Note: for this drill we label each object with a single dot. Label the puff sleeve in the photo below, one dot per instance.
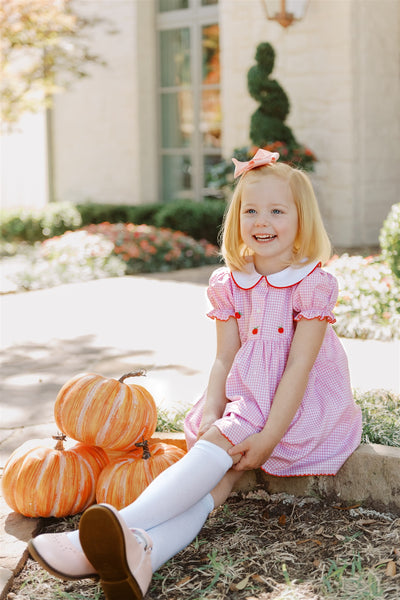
(315, 297)
(220, 295)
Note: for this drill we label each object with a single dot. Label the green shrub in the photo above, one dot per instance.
(389, 240)
(93, 213)
(146, 214)
(381, 416)
(267, 122)
(200, 220)
(170, 422)
(33, 225)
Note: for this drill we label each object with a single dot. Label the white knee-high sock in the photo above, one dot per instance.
(179, 487)
(174, 535)
(176, 489)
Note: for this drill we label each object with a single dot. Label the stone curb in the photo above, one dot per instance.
(371, 477)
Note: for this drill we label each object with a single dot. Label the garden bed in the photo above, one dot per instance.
(262, 547)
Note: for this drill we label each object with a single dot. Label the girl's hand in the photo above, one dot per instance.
(254, 450)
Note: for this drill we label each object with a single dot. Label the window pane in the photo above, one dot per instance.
(210, 43)
(175, 57)
(166, 5)
(177, 180)
(176, 119)
(210, 119)
(210, 161)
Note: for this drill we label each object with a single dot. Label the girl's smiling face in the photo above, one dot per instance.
(269, 223)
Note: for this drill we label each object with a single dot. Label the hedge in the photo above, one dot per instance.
(200, 220)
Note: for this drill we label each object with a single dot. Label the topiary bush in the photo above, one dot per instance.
(267, 125)
(389, 240)
(267, 122)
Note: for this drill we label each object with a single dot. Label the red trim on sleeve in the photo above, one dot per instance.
(321, 318)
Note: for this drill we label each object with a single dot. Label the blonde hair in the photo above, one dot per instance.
(312, 241)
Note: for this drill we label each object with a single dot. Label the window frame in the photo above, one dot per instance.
(194, 18)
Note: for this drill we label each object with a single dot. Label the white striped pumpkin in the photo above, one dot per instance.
(125, 478)
(105, 412)
(42, 479)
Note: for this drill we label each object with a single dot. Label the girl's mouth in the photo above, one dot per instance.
(266, 237)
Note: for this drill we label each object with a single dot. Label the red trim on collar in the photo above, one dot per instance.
(249, 288)
(318, 265)
(282, 287)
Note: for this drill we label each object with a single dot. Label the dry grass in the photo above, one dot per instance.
(262, 547)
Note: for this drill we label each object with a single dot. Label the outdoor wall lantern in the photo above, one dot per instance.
(285, 11)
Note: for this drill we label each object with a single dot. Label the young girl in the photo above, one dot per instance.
(278, 397)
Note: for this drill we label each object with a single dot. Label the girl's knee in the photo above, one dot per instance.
(214, 436)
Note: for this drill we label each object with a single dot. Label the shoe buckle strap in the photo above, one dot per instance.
(143, 538)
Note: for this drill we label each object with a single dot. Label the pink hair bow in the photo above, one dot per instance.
(261, 158)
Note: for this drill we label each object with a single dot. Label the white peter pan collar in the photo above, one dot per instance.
(286, 278)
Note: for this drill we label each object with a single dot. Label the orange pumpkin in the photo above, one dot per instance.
(41, 480)
(105, 412)
(124, 479)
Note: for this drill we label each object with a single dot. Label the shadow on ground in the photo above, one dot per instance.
(33, 373)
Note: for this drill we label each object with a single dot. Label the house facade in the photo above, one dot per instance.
(173, 100)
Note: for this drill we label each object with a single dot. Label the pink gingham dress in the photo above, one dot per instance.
(327, 426)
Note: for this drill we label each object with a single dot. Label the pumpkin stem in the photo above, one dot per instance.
(140, 372)
(60, 437)
(145, 445)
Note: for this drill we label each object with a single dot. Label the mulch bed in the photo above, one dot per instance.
(262, 547)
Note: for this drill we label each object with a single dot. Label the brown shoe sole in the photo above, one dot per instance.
(34, 553)
(103, 542)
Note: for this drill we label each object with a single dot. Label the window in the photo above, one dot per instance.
(189, 96)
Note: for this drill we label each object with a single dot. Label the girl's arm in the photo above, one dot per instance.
(306, 343)
(228, 343)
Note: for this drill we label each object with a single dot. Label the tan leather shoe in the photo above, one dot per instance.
(55, 553)
(121, 556)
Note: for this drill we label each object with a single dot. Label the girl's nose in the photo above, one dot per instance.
(262, 218)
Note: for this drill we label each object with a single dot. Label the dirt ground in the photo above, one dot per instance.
(262, 547)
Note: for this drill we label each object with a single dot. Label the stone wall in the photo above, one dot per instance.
(24, 164)
(337, 66)
(104, 129)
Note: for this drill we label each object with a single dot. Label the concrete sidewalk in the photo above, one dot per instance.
(112, 326)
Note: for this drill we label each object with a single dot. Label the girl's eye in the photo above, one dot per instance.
(276, 211)
(250, 211)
